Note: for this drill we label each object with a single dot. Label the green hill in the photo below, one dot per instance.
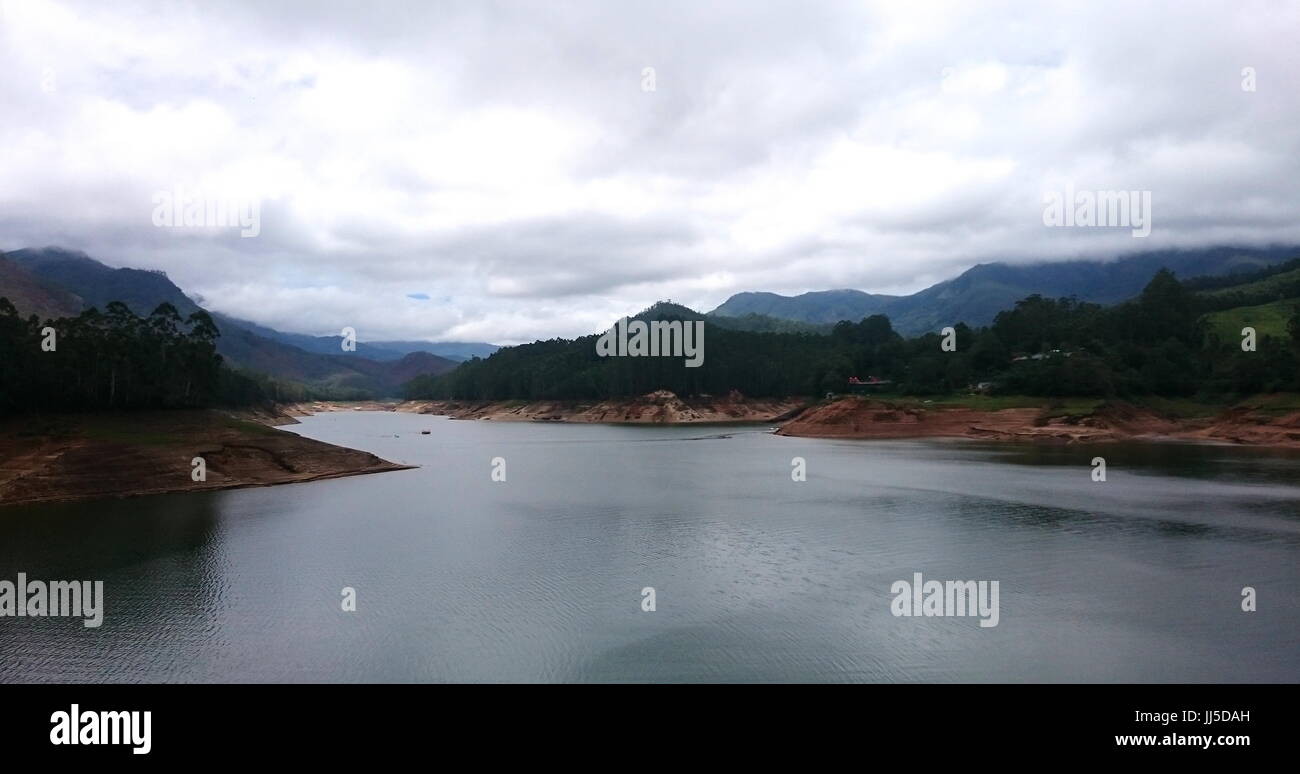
(1267, 320)
(1282, 285)
(978, 294)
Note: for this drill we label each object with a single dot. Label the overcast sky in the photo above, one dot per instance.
(505, 172)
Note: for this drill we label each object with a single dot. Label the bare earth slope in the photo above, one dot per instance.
(1265, 422)
(660, 407)
(855, 417)
(84, 457)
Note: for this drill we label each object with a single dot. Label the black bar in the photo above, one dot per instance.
(993, 723)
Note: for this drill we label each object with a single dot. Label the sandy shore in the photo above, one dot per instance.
(661, 407)
(855, 417)
(56, 458)
(287, 412)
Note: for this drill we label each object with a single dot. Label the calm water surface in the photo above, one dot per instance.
(757, 578)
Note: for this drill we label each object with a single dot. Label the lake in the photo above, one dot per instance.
(756, 577)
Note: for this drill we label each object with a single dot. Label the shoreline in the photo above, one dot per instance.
(658, 408)
(1107, 422)
(70, 458)
(1266, 422)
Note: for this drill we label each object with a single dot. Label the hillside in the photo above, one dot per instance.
(341, 374)
(452, 350)
(98, 285)
(375, 350)
(1267, 320)
(978, 294)
(818, 307)
(1150, 345)
(1266, 300)
(31, 296)
(1275, 287)
(761, 323)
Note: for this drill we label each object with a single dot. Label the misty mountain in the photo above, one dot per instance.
(30, 295)
(330, 373)
(375, 350)
(452, 350)
(978, 294)
(97, 284)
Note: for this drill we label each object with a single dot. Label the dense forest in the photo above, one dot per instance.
(116, 359)
(1156, 343)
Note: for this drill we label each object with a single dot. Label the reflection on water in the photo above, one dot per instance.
(757, 577)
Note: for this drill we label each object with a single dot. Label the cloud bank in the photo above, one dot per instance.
(514, 171)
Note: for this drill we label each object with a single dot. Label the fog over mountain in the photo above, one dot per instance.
(503, 172)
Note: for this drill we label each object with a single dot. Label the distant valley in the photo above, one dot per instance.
(54, 282)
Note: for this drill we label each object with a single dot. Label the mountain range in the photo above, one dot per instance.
(375, 350)
(978, 294)
(53, 282)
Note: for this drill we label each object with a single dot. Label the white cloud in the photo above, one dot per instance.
(503, 158)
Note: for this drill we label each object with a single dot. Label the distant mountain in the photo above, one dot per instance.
(318, 345)
(332, 373)
(452, 350)
(978, 294)
(817, 307)
(98, 284)
(413, 364)
(341, 375)
(30, 295)
(375, 350)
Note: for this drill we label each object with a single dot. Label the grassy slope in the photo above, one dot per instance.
(1266, 284)
(1266, 319)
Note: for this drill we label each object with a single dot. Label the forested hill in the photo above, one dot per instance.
(1157, 343)
(35, 279)
(979, 293)
(115, 360)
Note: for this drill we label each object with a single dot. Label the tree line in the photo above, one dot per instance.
(1155, 344)
(116, 359)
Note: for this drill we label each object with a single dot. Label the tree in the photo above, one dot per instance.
(1166, 310)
